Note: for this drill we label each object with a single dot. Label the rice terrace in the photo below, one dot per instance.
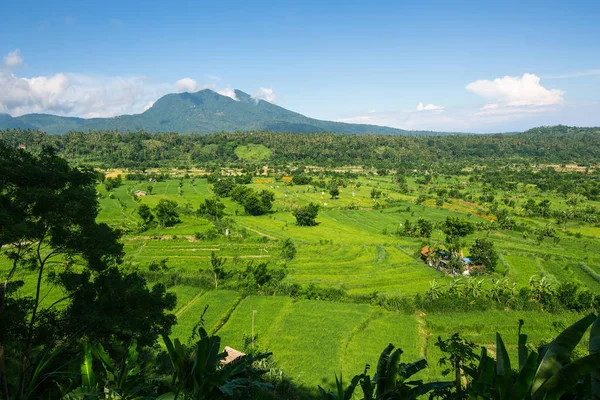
(325, 264)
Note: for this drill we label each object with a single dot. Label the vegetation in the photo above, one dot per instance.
(306, 216)
(381, 267)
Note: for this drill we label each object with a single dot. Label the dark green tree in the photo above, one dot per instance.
(217, 264)
(50, 236)
(288, 249)
(334, 192)
(211, 209)
(166, 213)
(424, 227)
(222, 187)
(146, 214)
(306, 216)
(455, 229)
(482, 253)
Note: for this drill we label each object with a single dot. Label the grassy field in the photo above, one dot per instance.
(354, 247)
(314, 340)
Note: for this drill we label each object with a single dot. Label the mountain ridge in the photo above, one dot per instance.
(205, 111)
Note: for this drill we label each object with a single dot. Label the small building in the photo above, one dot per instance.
(21, 146)
(232, 355)
(140, 193)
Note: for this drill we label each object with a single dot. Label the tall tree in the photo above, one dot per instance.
(48, 232)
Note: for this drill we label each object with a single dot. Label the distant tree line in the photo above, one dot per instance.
(556, 144)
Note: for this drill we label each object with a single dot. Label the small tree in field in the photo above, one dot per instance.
(455, 229)
(482, 253)
(217, 264)
(305, 216)
(166, 213)
(334, 192)
(288, 249)
(146, 214)
(212, 209)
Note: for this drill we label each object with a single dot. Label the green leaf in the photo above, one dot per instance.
(381, 373)
(88, 378)
(350, 389)
(566, 377)
(482, 383)
(393, 367)
(502, 359)
(99, 353)
(525, 378)
(594, 349)
(408, 370)
(523, 352)
(559, 351)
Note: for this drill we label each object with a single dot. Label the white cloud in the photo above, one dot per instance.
(187, 85)
(190, 85)
(514, 91)
(429, 107)
(13, 59)
(76, 94)
(266, 94)
(372, 111)
(87, 96)
(148, 106)
(226, 92)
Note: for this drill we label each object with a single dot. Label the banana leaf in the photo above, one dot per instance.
(88, 378)
(523, 352)
(566, 377)
(558, 352)
(594, 349)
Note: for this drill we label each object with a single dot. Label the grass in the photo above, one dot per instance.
(481, 328)
(355, 248)
(253, 153)
(219, 302)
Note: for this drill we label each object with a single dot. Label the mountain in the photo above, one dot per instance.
(202, 112)
(8, 122)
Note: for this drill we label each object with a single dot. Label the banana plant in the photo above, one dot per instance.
(342, 393)
(199, 372)
(390, 382)
(546, 374)
(122, 381)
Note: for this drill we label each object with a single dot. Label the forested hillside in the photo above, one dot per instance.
(558, 144)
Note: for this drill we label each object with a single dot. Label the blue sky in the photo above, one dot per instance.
(473, 66)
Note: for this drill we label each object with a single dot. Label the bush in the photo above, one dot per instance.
(305, 216)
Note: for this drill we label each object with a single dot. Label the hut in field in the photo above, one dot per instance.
(232, 355)
(140, 193)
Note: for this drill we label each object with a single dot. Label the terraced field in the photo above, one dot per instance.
(355, 248)
(313, 340)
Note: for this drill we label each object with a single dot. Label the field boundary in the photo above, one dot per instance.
(227, 315)
(362, 325)
(190, 303)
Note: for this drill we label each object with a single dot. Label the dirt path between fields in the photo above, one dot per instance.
(423, 333)
(261, 233)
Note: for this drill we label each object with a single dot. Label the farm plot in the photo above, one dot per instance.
(220, 304)
(481, 327)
